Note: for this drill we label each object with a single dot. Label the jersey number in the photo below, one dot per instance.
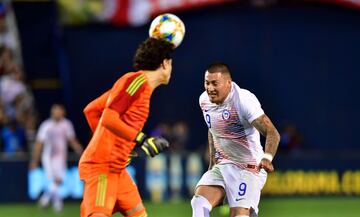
(208, 121)
(242, 189)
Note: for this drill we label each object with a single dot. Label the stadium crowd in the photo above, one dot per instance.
(17, 108)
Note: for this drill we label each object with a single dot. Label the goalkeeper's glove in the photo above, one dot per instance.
(151, 145)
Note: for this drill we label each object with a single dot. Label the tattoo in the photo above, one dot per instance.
(264, 125)
(211, 150)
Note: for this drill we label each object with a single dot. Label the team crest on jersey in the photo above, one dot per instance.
(225, 114)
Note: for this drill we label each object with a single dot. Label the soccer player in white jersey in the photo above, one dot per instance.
(53, 136)
(238, 165)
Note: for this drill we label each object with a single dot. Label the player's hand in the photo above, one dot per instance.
(152, 146)
(266, 165)
(33, 165)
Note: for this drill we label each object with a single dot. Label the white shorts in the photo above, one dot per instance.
(54, 168)
(242, 187)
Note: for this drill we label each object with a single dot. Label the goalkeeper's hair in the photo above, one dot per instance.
(151, 53)
(219, 67)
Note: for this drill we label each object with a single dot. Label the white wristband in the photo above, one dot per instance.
(268, 156)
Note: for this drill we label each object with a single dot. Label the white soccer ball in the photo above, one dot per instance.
(168, 27)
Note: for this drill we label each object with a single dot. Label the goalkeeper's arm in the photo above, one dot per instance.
(150, 145)
(94, 110)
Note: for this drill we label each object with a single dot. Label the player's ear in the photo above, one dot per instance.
(163, 64)
(166, 63)
(229, 81)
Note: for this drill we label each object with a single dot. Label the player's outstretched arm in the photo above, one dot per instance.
(94, 110)
(264, 125)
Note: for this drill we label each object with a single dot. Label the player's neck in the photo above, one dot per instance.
(154, 78)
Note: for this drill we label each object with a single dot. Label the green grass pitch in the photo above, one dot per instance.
(269, 207)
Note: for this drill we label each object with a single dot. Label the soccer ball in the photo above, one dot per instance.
(168, 27)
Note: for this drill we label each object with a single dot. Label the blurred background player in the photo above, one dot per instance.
(52, 139)
(237, 167)
(117, 118)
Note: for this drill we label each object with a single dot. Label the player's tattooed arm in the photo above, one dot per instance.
(211, 150)
(264, 125)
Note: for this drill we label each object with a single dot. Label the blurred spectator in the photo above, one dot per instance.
(6, 61)
(16, 100)
(163, 129)
(179, 139)
(180, 136)
(291, 139)
(30, 126)
(11, 86)
(7, 38)
(13, 138)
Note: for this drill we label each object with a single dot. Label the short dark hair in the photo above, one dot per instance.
(151, 53)
(59, 105)
(219, 67)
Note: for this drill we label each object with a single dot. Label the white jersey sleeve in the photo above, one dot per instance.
(69, 129)
(41, 134)
(249, 105)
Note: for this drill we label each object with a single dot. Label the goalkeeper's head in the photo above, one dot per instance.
(154, 55)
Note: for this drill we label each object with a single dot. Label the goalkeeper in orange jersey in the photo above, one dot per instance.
(116, 119)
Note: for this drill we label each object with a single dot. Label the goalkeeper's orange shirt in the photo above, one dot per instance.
(129, 100)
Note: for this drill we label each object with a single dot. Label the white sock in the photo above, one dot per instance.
(200, 206)
(56, 198)
(241, 216)
(45, 199)
(58, 203)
